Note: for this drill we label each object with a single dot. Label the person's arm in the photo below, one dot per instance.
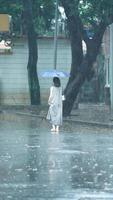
(50, 96)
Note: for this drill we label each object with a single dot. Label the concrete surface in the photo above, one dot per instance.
(87, 114)
(35, 164)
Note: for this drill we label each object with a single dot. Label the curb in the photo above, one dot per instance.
(90, 123)
(80, 122)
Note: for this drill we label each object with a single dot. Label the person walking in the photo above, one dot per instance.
(54, 114)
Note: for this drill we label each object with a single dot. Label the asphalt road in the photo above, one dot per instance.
(35, 164)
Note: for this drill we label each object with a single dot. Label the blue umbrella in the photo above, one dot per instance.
(53, 73)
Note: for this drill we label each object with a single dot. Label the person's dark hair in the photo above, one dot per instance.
(56, 82)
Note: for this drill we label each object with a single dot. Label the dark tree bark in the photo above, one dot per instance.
(34, 86)
(82, 65)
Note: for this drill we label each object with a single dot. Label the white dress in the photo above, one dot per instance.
(55, 109)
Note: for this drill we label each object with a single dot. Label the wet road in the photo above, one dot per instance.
(35, 164)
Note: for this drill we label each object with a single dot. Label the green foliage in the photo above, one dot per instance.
(43, 13)
(94, 11)
(91, 12)
(13, 8)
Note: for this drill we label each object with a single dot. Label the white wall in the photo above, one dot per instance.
(13, 69)
(111, 66)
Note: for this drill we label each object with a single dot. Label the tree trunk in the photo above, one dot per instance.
(71, 93)
(85, 71)
(33, 81)
(82, 65)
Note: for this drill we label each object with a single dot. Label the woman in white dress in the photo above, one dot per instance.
(55, 105)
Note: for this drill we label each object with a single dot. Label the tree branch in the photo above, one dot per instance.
(71, 7)
(100, 32)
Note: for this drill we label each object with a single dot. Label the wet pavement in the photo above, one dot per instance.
(87, 113)
(35, 164)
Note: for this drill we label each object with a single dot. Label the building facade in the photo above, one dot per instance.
(14, 88)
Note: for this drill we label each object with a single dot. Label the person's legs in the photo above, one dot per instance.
(53, 128)
(57, 128)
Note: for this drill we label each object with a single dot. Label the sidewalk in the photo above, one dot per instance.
(93, 114)
(87, 114)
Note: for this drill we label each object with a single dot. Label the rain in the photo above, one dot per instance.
(76, 163)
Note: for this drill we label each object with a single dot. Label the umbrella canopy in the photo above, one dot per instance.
(53, 73)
